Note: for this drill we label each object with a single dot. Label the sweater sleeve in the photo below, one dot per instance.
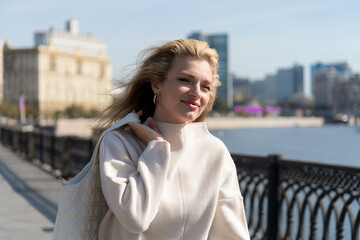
(229, 221)
(133, 193)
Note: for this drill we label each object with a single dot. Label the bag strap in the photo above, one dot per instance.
(131, 117)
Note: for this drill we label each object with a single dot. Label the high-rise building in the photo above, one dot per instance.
(340, 67)
(270, 90)
(241, 89)
(325, 84)
(282, 86)
(298, 77)
(265, 90)
(354, 93)
(289, 81)
(220, 43)
(258, 89)
(347, 95)
(52, 77)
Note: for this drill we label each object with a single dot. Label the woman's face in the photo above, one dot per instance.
(185, 92)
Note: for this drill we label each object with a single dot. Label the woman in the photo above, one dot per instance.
(168, 177)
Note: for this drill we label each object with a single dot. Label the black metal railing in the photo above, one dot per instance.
(67, 154)
(299, 200)
(283, 199)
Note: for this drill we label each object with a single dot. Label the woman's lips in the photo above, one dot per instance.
(192, 105)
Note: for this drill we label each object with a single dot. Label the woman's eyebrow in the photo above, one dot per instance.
(187, 74)
(207, 81)
(194, 77)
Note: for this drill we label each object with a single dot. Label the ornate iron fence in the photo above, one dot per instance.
(284, 199)
(287, 199)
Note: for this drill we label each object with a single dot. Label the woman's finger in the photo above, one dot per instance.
(144, 133)
(139, 113)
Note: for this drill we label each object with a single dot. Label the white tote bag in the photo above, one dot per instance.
(82, 205)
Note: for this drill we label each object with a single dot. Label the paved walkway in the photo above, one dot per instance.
(28, 199)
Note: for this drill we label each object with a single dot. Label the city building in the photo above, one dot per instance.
(282, 86)
(326, 81)
(265, 90)
(270, 90)
(220, 43)
(341, 67)
(70, 40)
(241, 89)
(289, 81)
(55, 74)
(347, 95)
(354, 93)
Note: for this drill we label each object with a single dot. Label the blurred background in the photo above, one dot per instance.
(290, 73)
(289, 70)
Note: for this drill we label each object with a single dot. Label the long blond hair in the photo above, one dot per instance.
(153, 66)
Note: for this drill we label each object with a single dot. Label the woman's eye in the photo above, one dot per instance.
(184, 80)
(206, 87)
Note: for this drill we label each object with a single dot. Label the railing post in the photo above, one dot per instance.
(66, 158)
(3, 135)
(41, 146)
(52, 151)
(31, 146)
(273, 198)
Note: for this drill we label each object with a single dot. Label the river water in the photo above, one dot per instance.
(329, 144)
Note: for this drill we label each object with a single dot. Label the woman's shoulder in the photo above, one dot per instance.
(216, 142)
(123, 136)
(121, 142)
(119, 131)
(211, 147)
(199, 131)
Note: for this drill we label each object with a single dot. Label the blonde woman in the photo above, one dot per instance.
(165, 176)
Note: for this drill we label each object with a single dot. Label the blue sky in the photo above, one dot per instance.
(264, 35)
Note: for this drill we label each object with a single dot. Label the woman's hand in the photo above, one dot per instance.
(146, 133)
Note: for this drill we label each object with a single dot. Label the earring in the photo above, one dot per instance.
(155, 99)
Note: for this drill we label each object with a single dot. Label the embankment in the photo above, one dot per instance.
(239, 122)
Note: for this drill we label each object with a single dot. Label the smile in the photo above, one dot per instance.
(192, 105)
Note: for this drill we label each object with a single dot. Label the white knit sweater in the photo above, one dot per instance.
(183, 188)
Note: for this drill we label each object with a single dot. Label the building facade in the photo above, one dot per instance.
(270, 90)
(219, 42)
(241, 89)
(326, 81)
(347, 96)
(289, 81)
(340, 67)
(258, 90)
(52, 79)
(265, 90)
(282, 86)
(70, 40)
(354, 93)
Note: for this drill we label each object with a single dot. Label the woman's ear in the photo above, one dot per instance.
(155, 87)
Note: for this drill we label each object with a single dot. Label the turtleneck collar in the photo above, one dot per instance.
(179, 135)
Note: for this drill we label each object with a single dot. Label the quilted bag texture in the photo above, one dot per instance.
(82, 205)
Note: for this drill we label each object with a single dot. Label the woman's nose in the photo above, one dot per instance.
(195, 90)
